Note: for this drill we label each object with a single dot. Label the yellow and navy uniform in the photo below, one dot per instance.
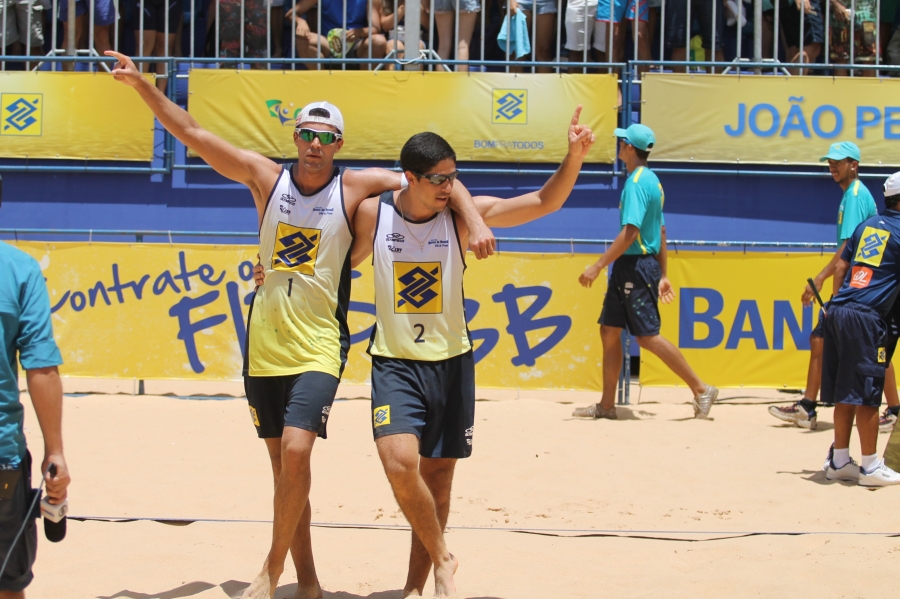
(423, 370)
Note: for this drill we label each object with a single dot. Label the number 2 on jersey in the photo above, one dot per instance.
(421, 329)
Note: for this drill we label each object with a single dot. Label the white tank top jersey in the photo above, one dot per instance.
(419, 311)
(298, 320)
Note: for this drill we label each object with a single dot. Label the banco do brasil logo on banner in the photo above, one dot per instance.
(21, 114)
(510, 107)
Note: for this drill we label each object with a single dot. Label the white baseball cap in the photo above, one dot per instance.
(327, 114)
(892, 185)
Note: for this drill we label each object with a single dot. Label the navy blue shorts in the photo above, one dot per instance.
(632, 298)
(435, 401)
(819, 330)
(14, 503)
(299, 400)
(855, 356)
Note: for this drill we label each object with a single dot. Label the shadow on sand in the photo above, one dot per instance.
(234, 588)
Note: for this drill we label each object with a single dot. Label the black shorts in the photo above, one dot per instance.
(13, 510)
(701, 10)
(855, 356)
(155, 15)
(299, 400)
(633, 296)
(435, 401)
(813, 27)
(819, 330)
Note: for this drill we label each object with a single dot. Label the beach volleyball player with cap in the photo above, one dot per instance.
(297, 334)
(639, 281)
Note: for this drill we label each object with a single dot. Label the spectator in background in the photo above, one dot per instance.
(543, 31)
(622, 14)
(702, 11)
(152, 40)
(255, 26)
(864, 42)
(17, 27)
(361, 31)
(893, 44)
(580, 16)
(445, 22)
(104, 18)
(276, 26)
(813, 29)
(397, 39)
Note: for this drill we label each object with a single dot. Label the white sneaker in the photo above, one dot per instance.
(880, 476)
(828, 458)
(848, 472)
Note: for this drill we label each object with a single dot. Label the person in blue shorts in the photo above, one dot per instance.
(104, 16)
(856, 206)
(858, 346)
(27, 338)
(638, 281)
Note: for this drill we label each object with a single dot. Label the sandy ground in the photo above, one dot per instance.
(656, 504)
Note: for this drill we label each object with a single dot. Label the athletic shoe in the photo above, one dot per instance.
(848, 472)
(829, 458)
(795, 414)
(880, 476)
(702, 403)
(596, 412)
(886, 422)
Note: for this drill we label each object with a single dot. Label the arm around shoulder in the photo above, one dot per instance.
(365, 222)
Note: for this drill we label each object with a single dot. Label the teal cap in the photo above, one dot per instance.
(640, 136)
(841, 150)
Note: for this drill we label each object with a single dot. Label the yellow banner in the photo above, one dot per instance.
(76, 116)
(771, 119)
(155, 311)
(484, 116)
(738, 318)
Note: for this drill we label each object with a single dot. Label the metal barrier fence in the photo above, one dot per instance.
(851, 32)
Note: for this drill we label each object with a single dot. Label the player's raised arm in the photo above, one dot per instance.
(250, 168)
(498, 212)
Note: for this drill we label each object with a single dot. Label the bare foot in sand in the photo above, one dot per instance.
(444, 586)
(314, 592)
(264, 585)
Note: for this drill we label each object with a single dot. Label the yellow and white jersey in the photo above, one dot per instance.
(298, 320)
(419, 313)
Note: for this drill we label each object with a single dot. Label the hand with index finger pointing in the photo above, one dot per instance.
(124, 70)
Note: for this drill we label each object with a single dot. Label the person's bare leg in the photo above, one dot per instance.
(301, 544)
(466, 29)
(644, 41)
(611, 338)
(148, 48)
(843, 424)
(438, 476)
(159, 49)
(291, 499)
(527, 14)
(444, 23)
(101, 39)
(79, 27)
(814, 371)
(867, 427)
(276, 26)
(545, 51)
(890, 387)
(679, 54)
(400, 457)
(674, 360)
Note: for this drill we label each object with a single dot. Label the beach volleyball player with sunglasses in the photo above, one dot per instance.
(297, 334)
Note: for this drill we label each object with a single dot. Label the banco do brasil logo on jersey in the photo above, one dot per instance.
(871, 246)
(21, 114)
(510, 107)
(296, 249)
(417, 288)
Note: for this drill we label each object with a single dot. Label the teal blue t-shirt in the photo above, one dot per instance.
(642, 206)
(856, 206)
(27, 336)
